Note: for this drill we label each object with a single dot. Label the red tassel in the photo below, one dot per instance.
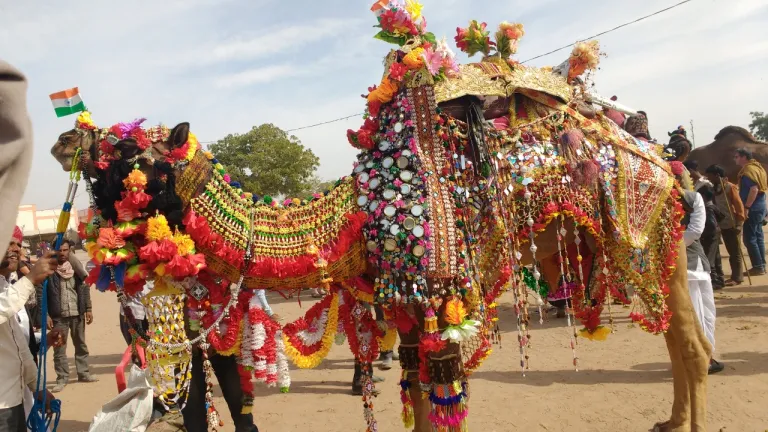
(573, 138)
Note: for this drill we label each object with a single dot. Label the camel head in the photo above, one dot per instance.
(65, 148)
(109, 155)
(126, 142)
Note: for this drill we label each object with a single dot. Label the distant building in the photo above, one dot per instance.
(40, 225)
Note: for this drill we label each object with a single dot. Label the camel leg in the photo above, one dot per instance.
(681, 413)
(689, 351)
(409, 361)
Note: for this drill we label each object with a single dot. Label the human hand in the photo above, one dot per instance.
(43, 268)
(88, 317)
(56, 338)
(49, 323)
(48, 398)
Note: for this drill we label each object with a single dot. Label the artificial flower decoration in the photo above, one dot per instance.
(84, 121)
(135, 181)
(158, 251)
(449, 58)
(507, 38)
(414, 60)
(126, 211)
(585, 56)
(397, 71)
(185, 152)
(133, 130)
(433, 61)
(184, 243)
(599, 334)
(157, 228)
(399, 21)
(474, 39)
(110, 239)
(455, 312)
(414, 9)
(460, 328)
(384, 92)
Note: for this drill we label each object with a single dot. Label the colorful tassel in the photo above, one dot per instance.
(405, 397)
(449, 407)
(573, 139)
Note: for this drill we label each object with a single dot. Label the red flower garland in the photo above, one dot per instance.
(365, 323)
(227, 341)
(292, 329)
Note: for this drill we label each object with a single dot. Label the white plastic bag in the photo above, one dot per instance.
(131, 410)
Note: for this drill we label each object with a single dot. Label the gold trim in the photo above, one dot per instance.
(473, 80)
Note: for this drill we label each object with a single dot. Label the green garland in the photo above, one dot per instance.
(530, 281)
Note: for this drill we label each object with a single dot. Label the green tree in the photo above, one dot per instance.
(317, 185)
(267, 161)
(759, 125)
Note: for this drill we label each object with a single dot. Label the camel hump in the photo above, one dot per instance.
(740, 131)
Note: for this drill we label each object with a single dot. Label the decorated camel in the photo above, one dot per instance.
(465, 174)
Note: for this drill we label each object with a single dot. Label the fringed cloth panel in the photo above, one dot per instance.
(281, 237)
(630, 207)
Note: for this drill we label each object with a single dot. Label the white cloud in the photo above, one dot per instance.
(257, 75)
(279, 39)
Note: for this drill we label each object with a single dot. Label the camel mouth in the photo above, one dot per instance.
(65, 160)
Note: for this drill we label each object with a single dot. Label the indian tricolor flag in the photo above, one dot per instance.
(67, 102)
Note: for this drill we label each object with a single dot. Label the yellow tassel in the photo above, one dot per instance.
(430, 324)
(388, 341)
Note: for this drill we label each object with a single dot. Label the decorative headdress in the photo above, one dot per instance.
(18, 235)
(637, 126)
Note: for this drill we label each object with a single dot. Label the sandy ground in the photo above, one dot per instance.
(624, 383)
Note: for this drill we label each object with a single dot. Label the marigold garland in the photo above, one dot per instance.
(308, 357)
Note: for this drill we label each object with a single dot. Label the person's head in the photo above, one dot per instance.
(707, 193)
(742, 157)
(65, 250)
(12, 255)
(691, 165)
(714, 173)
(678, 148)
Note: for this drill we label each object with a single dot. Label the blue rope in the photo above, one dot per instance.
(40, 419)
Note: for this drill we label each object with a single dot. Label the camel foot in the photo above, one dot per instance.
(667, 426)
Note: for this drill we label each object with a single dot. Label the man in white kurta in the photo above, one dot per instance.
(699, 282)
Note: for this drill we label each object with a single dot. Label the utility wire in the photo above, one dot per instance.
(608, 31)
(524, 61)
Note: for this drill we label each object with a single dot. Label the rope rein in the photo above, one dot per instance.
(40, 419)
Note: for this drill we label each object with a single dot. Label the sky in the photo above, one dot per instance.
(228, 65)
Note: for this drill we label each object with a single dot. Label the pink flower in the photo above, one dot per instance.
(433, 60)
(460, 38)
(227, 178)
